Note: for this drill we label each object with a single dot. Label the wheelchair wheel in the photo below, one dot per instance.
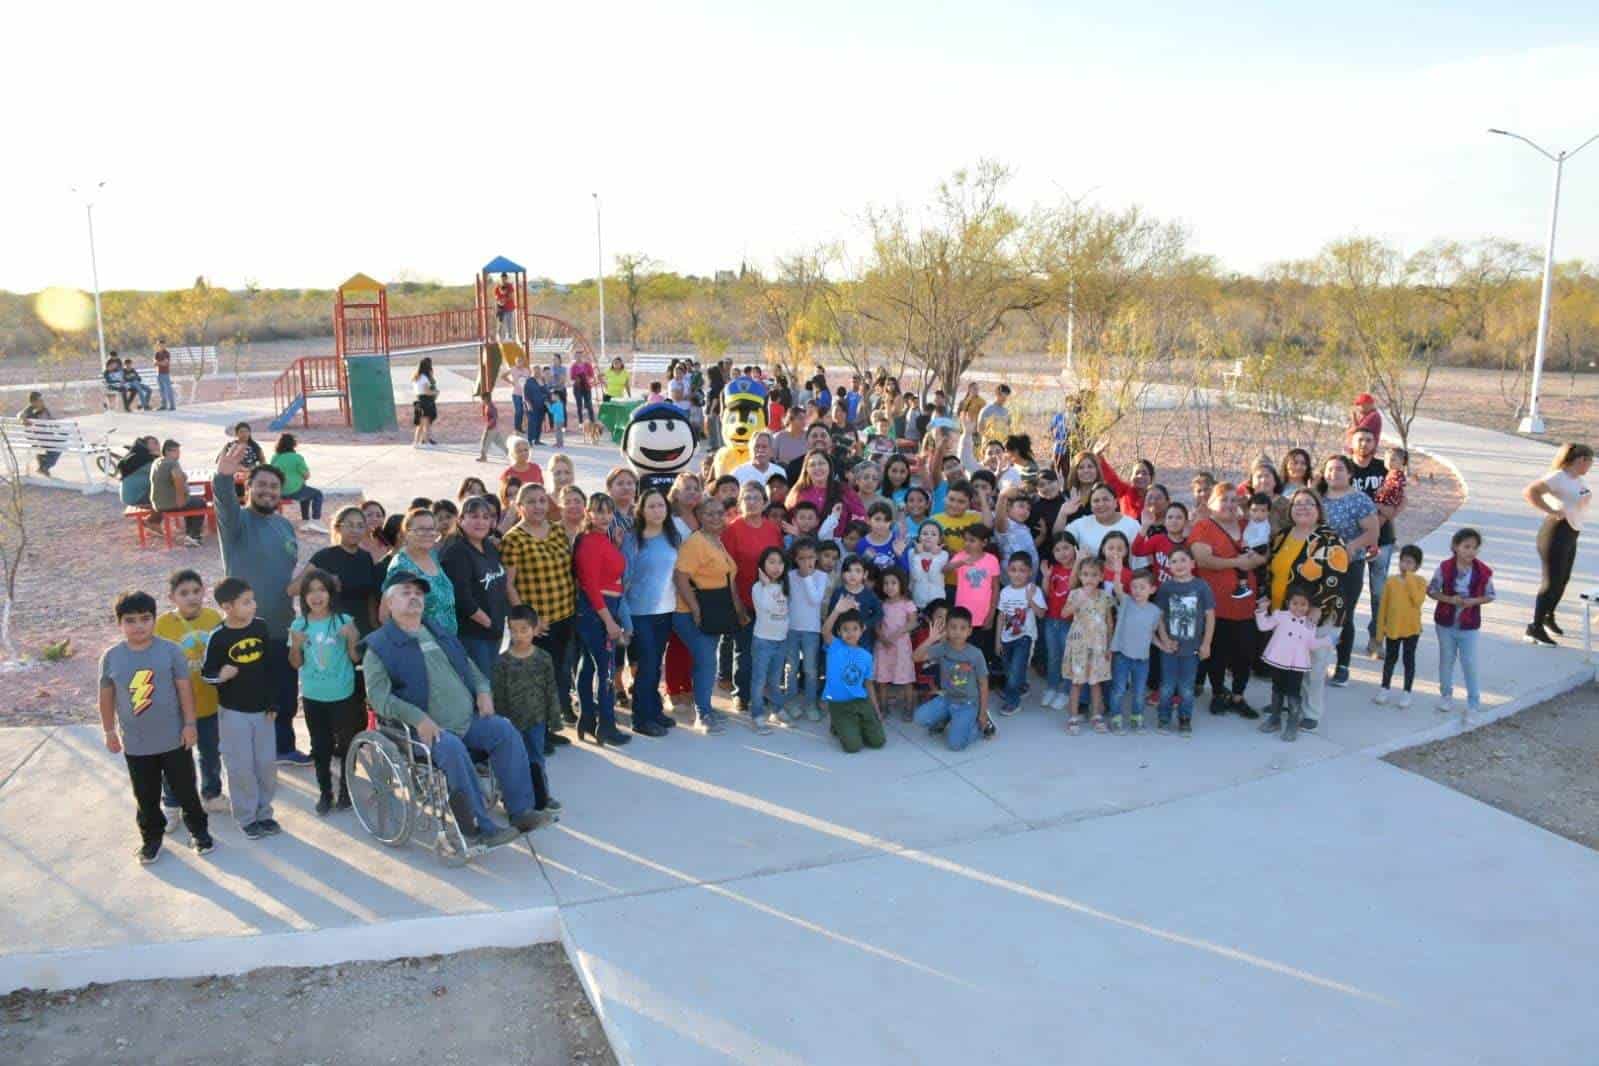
(379, 788)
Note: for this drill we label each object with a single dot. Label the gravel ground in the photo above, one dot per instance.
(484, 1007)
(81, 553)
(1541, 765)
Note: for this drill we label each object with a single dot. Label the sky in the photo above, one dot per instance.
(294, 144)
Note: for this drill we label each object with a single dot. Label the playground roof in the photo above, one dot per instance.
(501, 265)
(360, 283)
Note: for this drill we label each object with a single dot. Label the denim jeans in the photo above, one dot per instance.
(1376, 577)
(1128, 674)
(1177, 675)
(498, 739)
(169, 399)
(1354, 578)
(210, 754)
(804, 661)
(1056, 630)
(766, 675)
(702, 651)
(1462, 644)
(962, 719)
(737, 643)
(594, 674)
(650, 633)
(482, 651)
(1016, 654)
(518, 412)
(310, 500)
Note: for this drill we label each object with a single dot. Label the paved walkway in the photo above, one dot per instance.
(1228, 899)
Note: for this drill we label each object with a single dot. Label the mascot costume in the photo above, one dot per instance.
(743, 416)
(658, 443)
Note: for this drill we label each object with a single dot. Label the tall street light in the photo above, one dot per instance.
(94, 267)
(1533, 423)
(599, 275)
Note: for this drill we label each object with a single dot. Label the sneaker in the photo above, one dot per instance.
(712, 725)
(1137, 721)
(1550, 625)
(1006, 710)
(763, 728)
(191, 542)
(552, 804)
(203, 845)
(498, 837)
(814, 714)
(528, 821)
(1244, 710)
(1404, 700)
(1242, 592)
(1381, 697)
(791, 714)
(293, 758)
(1273, 722)
(1446, 705)
(1307, 723)
(253, 831)
(147, 853)
(269, 826)
(324, 804)
(217, 804)
(1537, 635)
(1219, 704)
(1185, 728)
(174, 818)
(313, 527)
(1340, 677)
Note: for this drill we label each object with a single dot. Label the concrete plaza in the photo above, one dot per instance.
(1229, 899)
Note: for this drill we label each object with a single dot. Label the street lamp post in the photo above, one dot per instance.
(1533, 422)
(94, 267)
(599, 275)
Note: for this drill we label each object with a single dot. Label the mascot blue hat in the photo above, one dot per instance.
(746, 389)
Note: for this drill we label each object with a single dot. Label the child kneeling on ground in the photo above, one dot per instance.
(851, 703)
(960, 710)
(147, 711)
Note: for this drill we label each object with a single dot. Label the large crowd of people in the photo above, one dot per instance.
(878, 555)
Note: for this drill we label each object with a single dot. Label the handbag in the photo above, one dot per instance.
(717, 616)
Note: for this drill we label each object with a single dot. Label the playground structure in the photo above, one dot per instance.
(366, 336)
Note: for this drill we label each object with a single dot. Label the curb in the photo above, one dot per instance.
(405, 938)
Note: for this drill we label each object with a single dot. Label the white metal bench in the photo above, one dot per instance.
(40, 435)
(1232, 376)
(656, 363)
(552, 346)
(193, 362)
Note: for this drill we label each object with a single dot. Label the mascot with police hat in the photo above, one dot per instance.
(743, 416)
(658, 444)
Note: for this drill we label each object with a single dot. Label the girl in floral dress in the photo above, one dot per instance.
(1088, 608)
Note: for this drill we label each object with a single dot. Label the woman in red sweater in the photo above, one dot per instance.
(598, 565)
(746, 539)
(1129, 494)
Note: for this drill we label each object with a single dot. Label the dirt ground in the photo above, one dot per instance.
(484, 1007)
(81, 553)
(1541, 765)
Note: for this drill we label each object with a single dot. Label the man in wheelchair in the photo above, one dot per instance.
(421, 676)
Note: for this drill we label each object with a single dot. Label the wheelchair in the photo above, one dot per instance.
(399, 795)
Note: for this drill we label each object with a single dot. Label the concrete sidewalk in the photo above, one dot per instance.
(1228, 899)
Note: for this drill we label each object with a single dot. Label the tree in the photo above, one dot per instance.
(1376, 316)
(634, 272)
(791, 318)
(183, 316)
(953, 280)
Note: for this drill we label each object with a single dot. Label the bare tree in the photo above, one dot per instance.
(634, 271)
(789, 308)
(13, 534)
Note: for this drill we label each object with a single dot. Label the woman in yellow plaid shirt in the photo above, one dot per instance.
(537, 556)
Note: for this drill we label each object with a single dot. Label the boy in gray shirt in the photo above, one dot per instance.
(1136, 621)
(147, 712)
(961, 707)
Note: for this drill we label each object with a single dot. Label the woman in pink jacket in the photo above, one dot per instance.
(1293, 638)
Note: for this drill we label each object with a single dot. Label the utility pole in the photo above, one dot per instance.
(94, 266)
(599, 276)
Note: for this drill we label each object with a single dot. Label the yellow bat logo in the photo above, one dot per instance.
(141, 690)
(248, 650)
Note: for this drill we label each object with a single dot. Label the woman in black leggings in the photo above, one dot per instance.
(1563, 496)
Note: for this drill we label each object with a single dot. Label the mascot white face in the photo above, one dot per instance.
(659, 441)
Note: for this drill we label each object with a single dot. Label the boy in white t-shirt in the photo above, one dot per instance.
(1021, 604)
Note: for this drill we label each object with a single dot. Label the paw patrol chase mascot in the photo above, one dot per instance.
(658, 443)
(743, 416)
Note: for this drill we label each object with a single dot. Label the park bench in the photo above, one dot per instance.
(193, 362)
(652, 363)
(551, 346)
(172, 526)
(57, 435)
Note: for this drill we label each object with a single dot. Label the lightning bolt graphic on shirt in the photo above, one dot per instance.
(141, 690)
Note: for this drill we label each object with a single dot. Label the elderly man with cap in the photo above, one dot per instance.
(422, 676)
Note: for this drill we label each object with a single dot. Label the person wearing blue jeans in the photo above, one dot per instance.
(1057, 690)
(702, 650)
(1461, 587)
(1457, 644)
(210, 754)
(595, 692)
(1015, 655)
(767, 660)
(1128, 674)
(650, 634)
(169, 398)
(961, 707)
(1376, 577)
(497, 740)
(804, 672)
(1178, 672)
(310, 501)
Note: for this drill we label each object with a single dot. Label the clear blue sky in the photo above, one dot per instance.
(297, 144)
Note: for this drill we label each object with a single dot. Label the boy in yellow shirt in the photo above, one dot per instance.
(1399, 622)
(188, 625)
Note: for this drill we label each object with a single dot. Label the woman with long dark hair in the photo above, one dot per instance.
(1310, 553)
(651, 554)
(1354, 518)
(1563, 497)
(482, 599)
(706, 607)
(537, 556)
(424, 403)
(598, 566)
(297, 482)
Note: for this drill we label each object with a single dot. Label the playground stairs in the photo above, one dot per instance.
(315, 376)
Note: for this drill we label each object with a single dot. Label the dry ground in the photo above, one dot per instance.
(1541, 765)
(487, 1007)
